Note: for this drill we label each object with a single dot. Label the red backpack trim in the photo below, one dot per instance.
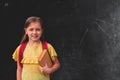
(22, 48)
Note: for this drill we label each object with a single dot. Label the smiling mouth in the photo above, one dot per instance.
(34, 36)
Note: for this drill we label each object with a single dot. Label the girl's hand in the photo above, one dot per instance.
(46, 70)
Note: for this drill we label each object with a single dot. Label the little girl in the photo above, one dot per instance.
(33, 37)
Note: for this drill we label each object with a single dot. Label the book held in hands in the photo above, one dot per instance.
(45, 58)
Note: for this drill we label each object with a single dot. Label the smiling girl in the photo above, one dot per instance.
(33, 37)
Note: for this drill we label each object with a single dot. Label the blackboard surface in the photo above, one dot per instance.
(84, 33)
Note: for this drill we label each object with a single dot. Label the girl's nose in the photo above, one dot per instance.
(34, 31)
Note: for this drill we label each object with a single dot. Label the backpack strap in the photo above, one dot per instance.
(20, 55)
(44, 45)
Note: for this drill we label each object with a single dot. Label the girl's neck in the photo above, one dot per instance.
(33, 43)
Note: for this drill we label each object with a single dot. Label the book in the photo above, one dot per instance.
(45, 58)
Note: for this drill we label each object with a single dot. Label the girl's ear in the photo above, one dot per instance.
(25, 30)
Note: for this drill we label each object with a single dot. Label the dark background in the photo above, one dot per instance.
(84, 33)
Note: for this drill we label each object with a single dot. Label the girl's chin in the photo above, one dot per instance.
(35, 40)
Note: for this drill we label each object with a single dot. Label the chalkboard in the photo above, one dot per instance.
(84, 33)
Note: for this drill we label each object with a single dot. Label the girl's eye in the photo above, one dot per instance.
(37, 29)
(31, 29)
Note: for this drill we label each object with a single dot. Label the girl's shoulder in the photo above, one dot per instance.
(18, 47)
(49, 45)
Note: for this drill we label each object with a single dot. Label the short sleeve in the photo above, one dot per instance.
(52, 51)
(15, 54)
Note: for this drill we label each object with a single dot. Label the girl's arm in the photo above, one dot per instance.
(56, 65)
(19, 71)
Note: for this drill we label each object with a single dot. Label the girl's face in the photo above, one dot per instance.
(34, 31)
